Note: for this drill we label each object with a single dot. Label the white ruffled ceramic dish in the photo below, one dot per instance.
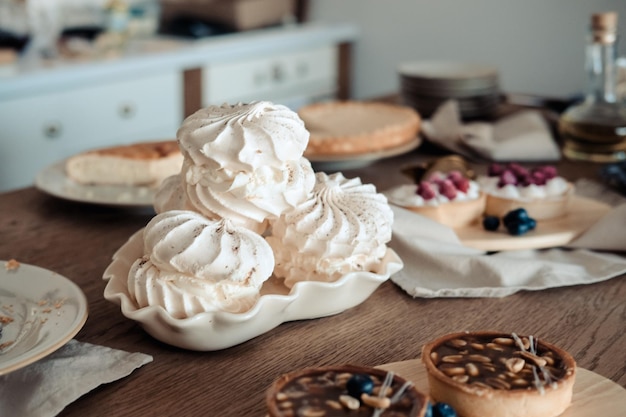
(220, 330)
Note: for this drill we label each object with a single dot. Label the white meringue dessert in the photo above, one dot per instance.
(343, 227)
(242, 162)
(192, 264)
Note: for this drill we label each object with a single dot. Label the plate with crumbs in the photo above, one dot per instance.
(54, 181)
(40, 311)
(277, 304)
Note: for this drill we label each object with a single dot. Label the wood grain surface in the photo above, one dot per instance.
(77, 240)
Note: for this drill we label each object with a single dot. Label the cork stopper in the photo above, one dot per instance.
(604, 27)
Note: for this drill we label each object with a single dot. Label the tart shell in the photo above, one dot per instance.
(454, 214)
(538, 209)
(471, 401)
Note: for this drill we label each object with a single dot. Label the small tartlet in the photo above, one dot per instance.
(539, 190)
(537, 208)
(496, 374)
(323, 391)
(454, 214)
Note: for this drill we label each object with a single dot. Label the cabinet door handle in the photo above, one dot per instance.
(52, 130)
(127, 110)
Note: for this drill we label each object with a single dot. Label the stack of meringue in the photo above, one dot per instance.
(247, 204)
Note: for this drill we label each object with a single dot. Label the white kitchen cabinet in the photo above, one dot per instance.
(38, 130)
(288, 77)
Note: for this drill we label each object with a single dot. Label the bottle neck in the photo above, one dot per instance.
(602, 72)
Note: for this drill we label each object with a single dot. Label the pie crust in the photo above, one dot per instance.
(503, 384)
(354, 127)
(317, 391)
(538, 209)
(145, 163)
(453, 214)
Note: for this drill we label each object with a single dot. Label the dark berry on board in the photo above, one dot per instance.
(491, 223)
(518, 228)
(443, 410)
(359, 384)
(515, 216)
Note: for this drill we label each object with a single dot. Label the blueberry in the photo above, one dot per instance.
(518, 228)
(443, 410)
(531, 223)
(515, 216)
(359, 384)
(491, 223)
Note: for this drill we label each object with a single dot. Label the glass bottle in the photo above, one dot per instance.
(595, 129)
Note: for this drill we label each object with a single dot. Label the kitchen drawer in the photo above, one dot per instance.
(283, 76)
(39, 130)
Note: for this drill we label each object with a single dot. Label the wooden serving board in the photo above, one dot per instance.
(582, 214)
(594, 395)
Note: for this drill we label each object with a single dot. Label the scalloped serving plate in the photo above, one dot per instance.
(219, 330)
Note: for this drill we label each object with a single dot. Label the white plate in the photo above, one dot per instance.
(219, 330)
(54, 181)
(341, 162)
(47, 311)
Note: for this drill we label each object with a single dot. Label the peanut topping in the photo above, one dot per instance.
(499, 362)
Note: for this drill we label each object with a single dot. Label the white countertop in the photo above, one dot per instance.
(26, 77)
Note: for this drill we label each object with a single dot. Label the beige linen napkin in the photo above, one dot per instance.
(46, 387)
(522, 136)
(436, 264)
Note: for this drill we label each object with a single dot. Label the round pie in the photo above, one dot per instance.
(493, 374)
(353, 128)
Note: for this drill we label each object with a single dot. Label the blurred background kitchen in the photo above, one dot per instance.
(79, 74)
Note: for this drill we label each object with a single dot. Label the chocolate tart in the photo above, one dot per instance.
(538, 208)
(323, 392)
(453, 214)
(494, 374)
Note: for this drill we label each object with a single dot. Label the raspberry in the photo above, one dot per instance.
(455, 176)
(462, 184)
(548, 171)
(426, 190)
(506, 178)
(538, 178)
(518, 170)
(495, 170)
(448, 189)
(436, 177)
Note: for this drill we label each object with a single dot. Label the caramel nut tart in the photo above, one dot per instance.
(145, 163)
(493, 374)
(344, 390)
(353, 128)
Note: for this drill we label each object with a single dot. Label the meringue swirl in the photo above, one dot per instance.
(243, 137)
(343, 227)
(192, 264)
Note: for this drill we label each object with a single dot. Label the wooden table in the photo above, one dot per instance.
(77, 240)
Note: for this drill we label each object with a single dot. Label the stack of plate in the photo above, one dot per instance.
(425, 85)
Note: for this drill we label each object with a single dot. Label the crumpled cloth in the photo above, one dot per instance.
(522, 136)
(436, 264)
(46, 387)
